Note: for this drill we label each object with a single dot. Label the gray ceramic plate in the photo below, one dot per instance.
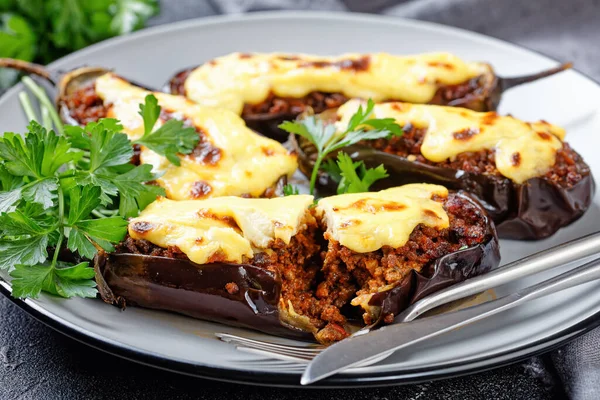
(189, 346)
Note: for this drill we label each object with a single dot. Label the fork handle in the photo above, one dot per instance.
(547, 259)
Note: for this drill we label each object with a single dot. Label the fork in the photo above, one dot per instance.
(297, 356)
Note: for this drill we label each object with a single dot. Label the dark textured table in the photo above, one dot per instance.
(39, 363)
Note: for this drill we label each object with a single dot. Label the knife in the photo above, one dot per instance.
(361, 349)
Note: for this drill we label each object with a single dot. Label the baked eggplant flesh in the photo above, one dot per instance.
(229, 160)
(527, 178)
(286, 267)
(268, 88)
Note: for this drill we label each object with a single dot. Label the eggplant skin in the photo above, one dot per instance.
(445, 271)
(533, 210)
(198, 291)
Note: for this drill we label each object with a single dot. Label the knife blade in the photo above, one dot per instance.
(360, 349)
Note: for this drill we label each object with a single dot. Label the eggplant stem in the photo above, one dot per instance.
(28, 67)
(508, 83)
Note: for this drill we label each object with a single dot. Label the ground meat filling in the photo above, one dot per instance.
(370, 272)
(84, 105)
(449, 93)
(144, 247)
(177, 83)
(567, 171)
(291, 107)
(299, 264)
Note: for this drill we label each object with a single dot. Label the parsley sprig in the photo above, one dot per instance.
(353, 176)
(43, 206)
(326, 140)
(290, 190)
(106, 165)
(171, 138)
(65, 197)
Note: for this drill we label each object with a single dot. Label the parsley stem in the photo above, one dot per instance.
(97, 213)
(27, 108)
(46, 118)
(44, 101)
(103, 212)
(61, 204)
(61, 215)
(109, 213)
(57, 249)
(315, 173)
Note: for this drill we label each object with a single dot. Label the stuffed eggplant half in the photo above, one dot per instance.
(529, 180)
(266, 89)
(286, 267)
(229, 160)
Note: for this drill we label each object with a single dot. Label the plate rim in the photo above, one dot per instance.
(270, 379)
(262, 378)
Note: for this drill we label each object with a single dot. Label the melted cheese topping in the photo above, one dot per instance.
(237, 79)
(229, 228)
(365, 222)
(523, 150)
(245, 161)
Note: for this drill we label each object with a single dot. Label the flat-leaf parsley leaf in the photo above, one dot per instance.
(353, 176)
(171, 138)
(52, 189)
(326, 140)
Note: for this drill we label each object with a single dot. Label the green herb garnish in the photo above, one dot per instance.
(353, 176)
(106, 165)
(66, 192)
(44, 206)
(290, 190)
(326, 140)
(168, 140)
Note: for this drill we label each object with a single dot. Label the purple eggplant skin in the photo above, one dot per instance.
(533, 210)
(444, 272)
(198, 291)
